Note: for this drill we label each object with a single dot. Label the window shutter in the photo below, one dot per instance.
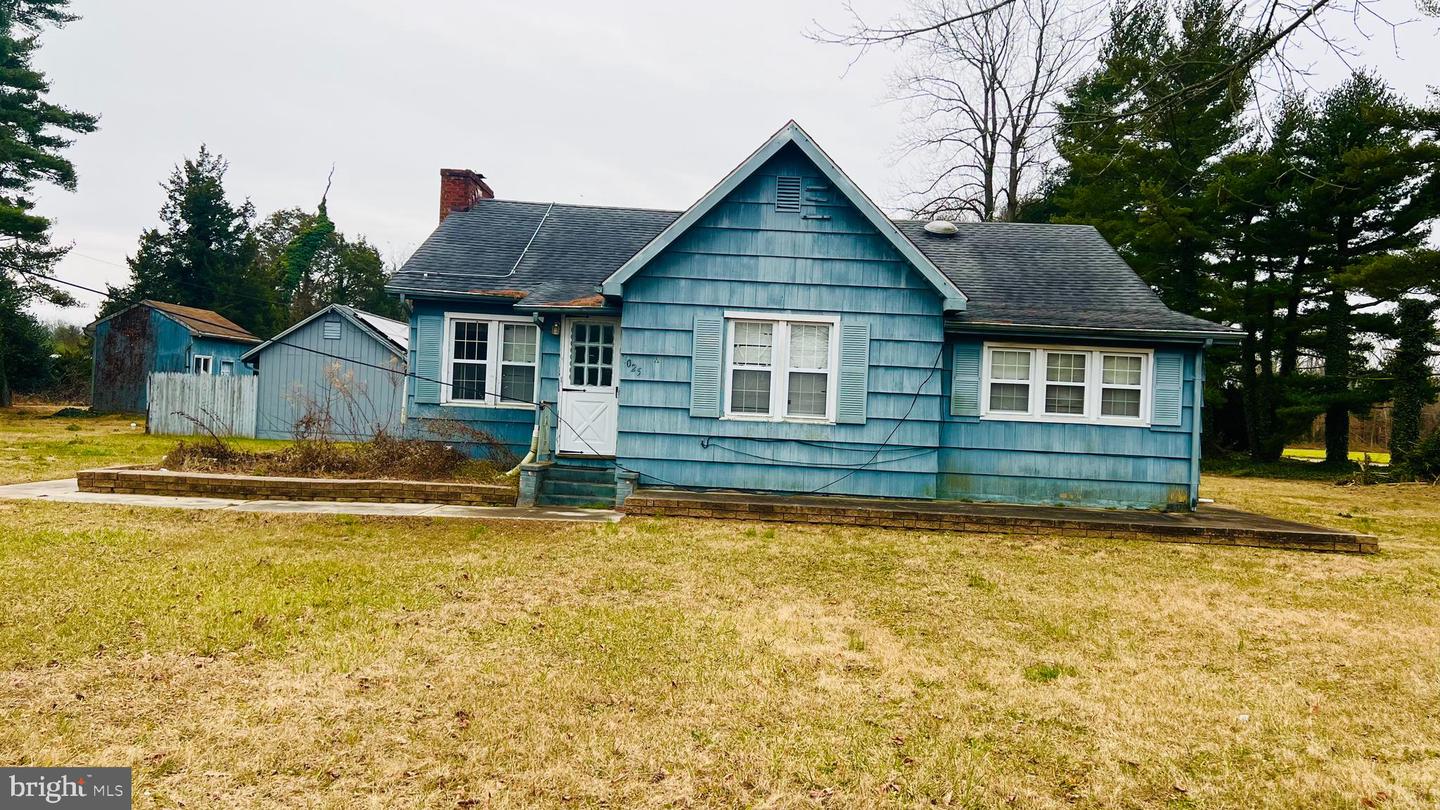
(965, 380)
(705, 367)
(854, 373)
(429, 337)
(1169, 384)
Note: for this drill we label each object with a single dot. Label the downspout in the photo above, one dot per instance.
(1199, 398)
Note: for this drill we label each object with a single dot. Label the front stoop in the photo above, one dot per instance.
(578, 482)
(1211, 525)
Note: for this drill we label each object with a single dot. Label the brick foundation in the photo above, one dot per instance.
(254, 487)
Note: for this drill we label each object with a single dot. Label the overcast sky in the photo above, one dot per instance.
(642, 104)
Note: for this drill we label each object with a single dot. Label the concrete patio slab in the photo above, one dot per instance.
(1213, 525)
(68, 491)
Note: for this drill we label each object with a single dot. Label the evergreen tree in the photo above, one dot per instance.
(33, 136)
(1139, 146)
(1372, 165)
(203, 254)
(1413, 387)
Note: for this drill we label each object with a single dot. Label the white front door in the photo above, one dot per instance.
(589, 404)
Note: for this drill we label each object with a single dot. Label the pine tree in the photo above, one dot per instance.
(1413, 386)
(33, 136)
(203, 254)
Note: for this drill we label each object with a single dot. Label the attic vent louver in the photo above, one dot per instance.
(787, 194)
(331, 330)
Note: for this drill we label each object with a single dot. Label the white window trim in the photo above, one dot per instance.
(780, 368)
(1093, 385)
(223, 371)
(209, 363)
(567, 351)
(493, 346)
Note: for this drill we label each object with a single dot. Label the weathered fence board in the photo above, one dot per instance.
(198, 404)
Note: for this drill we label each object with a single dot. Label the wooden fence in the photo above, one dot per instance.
(199, 404)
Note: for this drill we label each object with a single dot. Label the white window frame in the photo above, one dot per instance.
(209, 363)
(780, 365)
(493, 348)
(227, 368)
(1094, 366)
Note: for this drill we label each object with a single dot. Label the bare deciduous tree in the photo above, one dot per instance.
(980, 94)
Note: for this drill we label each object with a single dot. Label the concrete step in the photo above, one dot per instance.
(579, 489)
(575, 500)
(588, 475)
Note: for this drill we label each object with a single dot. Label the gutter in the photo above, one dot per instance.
(1042, 330)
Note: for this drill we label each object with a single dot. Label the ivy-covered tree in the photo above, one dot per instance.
(203, 254)
(34, 132)
(315, 265)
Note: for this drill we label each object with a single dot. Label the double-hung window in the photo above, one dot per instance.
(780, 368)
(1065, 384)
(490, 361)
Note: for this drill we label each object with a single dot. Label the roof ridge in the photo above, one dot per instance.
(556, 203)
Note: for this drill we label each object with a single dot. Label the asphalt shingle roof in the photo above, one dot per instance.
(1014, 275)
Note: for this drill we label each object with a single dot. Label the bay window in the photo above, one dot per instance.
(780, 367)
(1065, 384)
(490, 361)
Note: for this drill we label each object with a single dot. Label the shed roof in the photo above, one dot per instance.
(393, 334)
(202, 322)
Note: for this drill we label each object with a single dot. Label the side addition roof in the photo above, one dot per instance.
(394, 335)
(955, 300)
(1054, 278)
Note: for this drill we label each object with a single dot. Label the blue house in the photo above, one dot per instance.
(339, 372)
(153, 336)
(783, 335)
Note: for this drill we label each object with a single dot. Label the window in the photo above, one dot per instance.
(592, 354)
(200, 364)
(1122, 378)
(490, 361)
(1065, 384)
(780, 369)
(227, 367)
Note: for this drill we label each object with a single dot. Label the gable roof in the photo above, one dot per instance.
(540, 255)
(201, 322)
(394, 335)
(791, 133)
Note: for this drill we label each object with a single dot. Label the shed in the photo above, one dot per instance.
(339, 372)
(155, 336)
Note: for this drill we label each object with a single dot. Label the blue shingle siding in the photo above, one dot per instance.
(1077, 464)
(745, 255)
(427, 418)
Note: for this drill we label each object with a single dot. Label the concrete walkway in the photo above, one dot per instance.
(67, 491)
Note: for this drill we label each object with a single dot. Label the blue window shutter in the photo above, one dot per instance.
(854, 373)
(1169, 385)
(965, 380)
(705, 367)
(429, 337)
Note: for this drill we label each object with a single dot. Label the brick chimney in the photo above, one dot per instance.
(460, 188)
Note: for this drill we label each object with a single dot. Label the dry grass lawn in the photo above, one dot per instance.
(244, 660)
